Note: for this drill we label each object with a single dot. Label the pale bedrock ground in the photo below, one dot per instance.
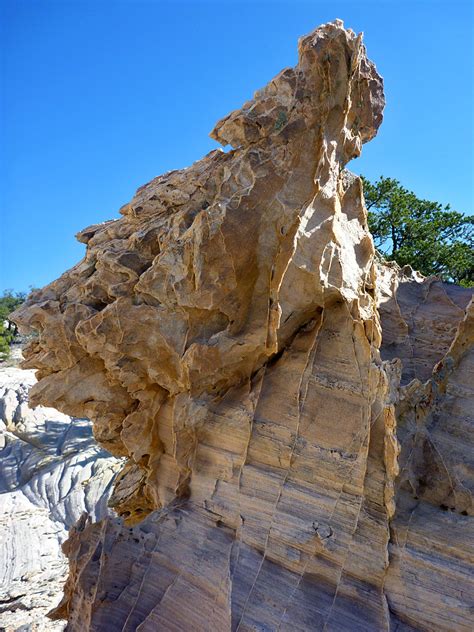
(224, 336)
(51, 471)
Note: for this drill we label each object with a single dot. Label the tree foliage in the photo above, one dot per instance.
(430, 237)
(9, 301)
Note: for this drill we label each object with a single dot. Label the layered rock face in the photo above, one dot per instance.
(51, 472)
(430, 326)
(224, 336)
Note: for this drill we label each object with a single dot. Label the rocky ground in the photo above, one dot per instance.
(51, 471)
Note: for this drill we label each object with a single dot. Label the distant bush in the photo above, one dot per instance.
(9, 301)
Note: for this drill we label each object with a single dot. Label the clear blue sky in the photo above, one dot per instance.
(99, 97)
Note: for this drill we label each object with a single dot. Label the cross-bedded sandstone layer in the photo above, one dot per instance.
(224, 336)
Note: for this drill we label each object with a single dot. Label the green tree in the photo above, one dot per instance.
(430, 237)
(9, 301)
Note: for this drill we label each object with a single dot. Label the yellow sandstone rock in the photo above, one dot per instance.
(224, 336)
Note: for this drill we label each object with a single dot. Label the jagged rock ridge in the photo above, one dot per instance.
(224, 336)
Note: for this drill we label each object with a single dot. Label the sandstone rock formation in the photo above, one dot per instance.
(430, 325)
(51, 471)
(224, 336)
(420, 317)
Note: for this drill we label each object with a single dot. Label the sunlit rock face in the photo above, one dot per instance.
(51, 472)
(223, 335)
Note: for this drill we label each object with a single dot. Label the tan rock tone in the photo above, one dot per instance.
(224, 335)
(430, 580)
(419, 317)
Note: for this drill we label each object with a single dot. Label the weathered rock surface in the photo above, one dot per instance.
(224, 336)
(51, 471)
(420, 317)
(430, 579)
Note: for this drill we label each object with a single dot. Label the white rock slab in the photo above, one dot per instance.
(51, 471)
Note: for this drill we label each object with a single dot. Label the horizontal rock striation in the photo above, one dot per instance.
(224, 336)
(430, 580)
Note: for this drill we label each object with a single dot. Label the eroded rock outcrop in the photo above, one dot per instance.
(224, 336)
(430, 325)
(420, 317)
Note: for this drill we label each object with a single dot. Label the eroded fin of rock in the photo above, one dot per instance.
(224, 336)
